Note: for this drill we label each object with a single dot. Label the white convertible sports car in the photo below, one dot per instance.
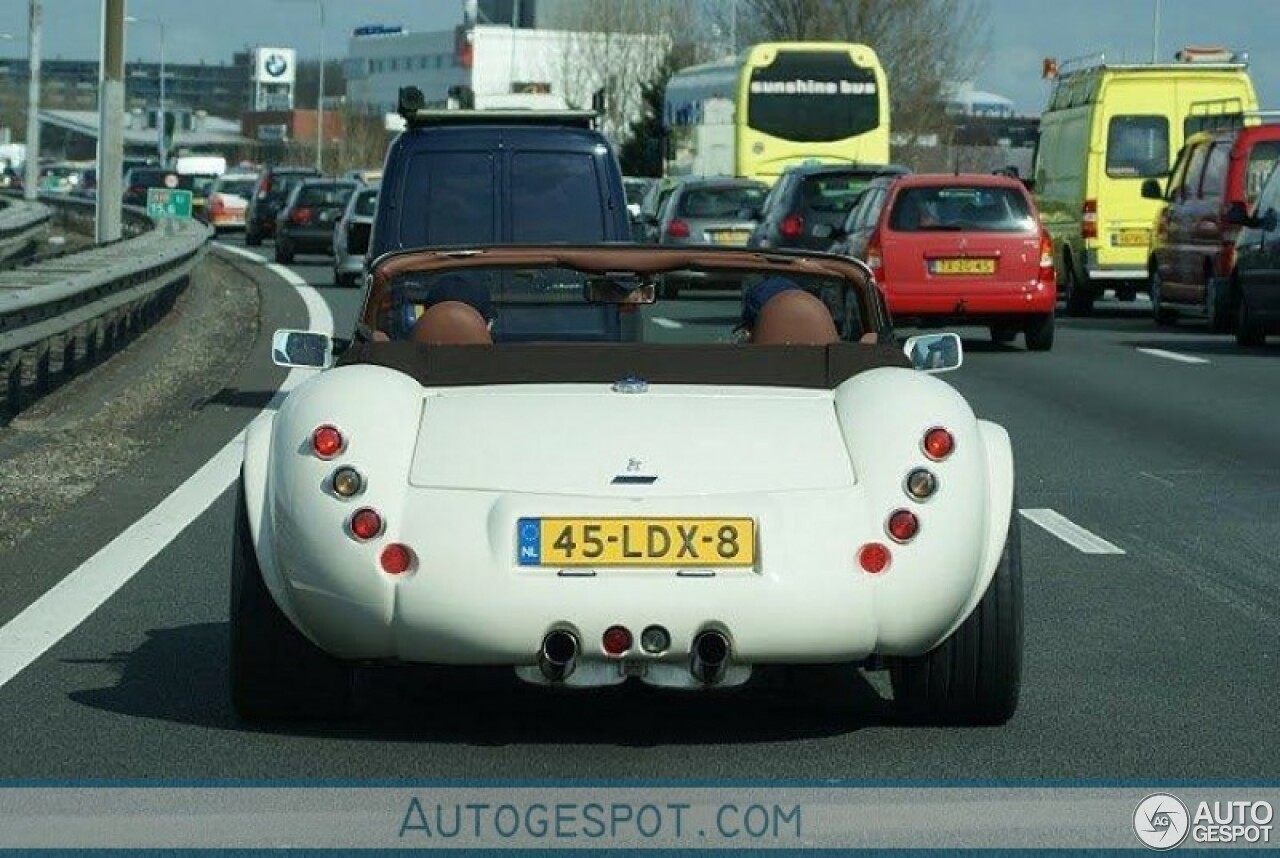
(520, 460)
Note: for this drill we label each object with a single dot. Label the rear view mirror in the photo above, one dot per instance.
(307, 349)
(610, 290)
(1151, 190)
(935, 352)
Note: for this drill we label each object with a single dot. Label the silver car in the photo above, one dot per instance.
(708, 211)
(351, 236)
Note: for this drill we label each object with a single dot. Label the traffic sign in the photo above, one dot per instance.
(163, 203)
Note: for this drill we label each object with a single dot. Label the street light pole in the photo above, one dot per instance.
(320, 96)
(111, 123)
(161, 144)
(32, 177)
(1155, 33)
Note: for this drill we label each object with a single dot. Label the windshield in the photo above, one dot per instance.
(959, 208)
(813, 97)
(237, 187)
(366, 204)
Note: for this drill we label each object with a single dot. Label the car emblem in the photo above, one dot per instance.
(633, 475)
(631, 384)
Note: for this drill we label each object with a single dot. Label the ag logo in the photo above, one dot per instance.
(276, 65)
(1160, 821)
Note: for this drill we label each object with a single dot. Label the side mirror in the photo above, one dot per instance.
(1151, 190)
(306, 349)
(1269, 221)
(934, 353)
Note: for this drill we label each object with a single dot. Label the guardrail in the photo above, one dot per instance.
(21, 225)
(64, 314)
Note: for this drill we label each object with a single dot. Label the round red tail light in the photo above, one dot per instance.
(366, 523)
(874, 557)
(938, 443)
(396, 559)
(327, 441)
(616, 640)
(903, 525)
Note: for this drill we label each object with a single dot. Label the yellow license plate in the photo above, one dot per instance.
(1132, 238)
(636, 541)
(962, 266)
(729, 237)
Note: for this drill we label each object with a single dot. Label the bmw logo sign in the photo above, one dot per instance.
(276, 65)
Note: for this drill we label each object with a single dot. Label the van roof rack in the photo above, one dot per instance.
(1098, 61)
(1219, 114)
(413, 110)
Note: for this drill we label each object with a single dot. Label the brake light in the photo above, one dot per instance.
(678, 229)
(874, 255)
(903, 525)
(1089, 219)
(137, 190)
(265, 186)
(1046, 276)
(938, 443)
(366, 524)
(1227, 257)
(792, 226)
(874, 557)
(216, 205)
(396, 559)
(300, 216)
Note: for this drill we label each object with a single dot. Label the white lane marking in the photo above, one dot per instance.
(1070, 532)
(1160, 480)
(240, 251)
(1168, 355)
(669, 324)
(73, 599)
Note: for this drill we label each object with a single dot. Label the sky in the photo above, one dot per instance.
(1018, 35)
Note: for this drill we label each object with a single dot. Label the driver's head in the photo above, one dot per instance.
(778, 312)
(462, 289)
(451, 323)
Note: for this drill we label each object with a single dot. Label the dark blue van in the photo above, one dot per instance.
(499, 177)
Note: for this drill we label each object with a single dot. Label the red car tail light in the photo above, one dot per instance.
(874, 557)
(678, 229)
(792, 226)
(1089, 219)
(396, 559)
(366, 524)
(1046, 275)
(903, 525)
(327, 441)
(938, 443)
(874, 255)
(300, 216)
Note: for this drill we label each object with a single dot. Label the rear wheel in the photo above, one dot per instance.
(973, 677)
(284, 251)
(1217, 305)
(1079, 295)
(1039, 333)
(1162, 314)
(1003, 333)
(1249, 332)
(252, 238)
(276, 672)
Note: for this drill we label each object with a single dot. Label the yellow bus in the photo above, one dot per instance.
(774, 105)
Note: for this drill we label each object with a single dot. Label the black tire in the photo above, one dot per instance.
(284, 252)
(1218, 306)
(1078, 292)
(252, 238)
(276, 673)
(1249, 332)
(1162, 314)
(670, 289)
(974, 676)
(1039, 333)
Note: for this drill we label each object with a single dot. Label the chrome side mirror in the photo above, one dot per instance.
(306, 349)
(935, 352)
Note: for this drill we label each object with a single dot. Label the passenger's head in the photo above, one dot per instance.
(777, 312)
(464, 290)
(451, 323)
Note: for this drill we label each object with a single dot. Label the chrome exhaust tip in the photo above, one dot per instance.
(559, 655)
(710, 657)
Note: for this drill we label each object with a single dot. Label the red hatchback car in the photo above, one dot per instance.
(960, 249)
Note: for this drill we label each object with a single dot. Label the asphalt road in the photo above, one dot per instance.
(1156, 659)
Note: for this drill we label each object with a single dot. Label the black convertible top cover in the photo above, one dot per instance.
(820, 367)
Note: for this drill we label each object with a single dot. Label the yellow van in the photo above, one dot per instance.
(1107, 129)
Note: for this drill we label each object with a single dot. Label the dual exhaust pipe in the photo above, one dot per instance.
(708, 661)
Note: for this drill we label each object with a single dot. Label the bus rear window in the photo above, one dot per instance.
(1137, 147)
(813, 97)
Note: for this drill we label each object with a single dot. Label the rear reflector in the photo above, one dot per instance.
(366, 524)
(874, 557)
(396, 559)
(616, 640)
(938, 443)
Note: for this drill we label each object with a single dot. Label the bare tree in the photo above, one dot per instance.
(617, 48)
(925, 46)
